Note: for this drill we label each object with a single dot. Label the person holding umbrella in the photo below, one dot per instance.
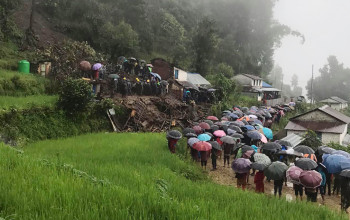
(259, 182)
(215, 147)
(173, 136)
(322, 187)
(345, 190)
(241, 166)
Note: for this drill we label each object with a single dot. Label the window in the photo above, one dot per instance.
(176, 74)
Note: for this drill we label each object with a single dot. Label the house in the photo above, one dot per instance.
(198, 80)
(271, 96)
(335, 103)
(329, 124)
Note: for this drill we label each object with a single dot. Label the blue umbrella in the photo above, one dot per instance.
(204, 137)
(344, 165)
(254, 135)
(268, 133)
(233, 116)
(340, 152)
(332, 163)
(156, 75)
(249, 127)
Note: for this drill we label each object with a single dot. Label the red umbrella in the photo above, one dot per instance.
(204, 125)
(293, 174)
(85, 65)
(213, 118)
(197, 129)
(310, 179)
(202, 146)
(219, 133)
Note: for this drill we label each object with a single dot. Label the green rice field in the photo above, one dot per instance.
(125, 176)
(23, 102)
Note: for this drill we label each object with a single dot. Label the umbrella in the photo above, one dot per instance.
(268, 133)
(96, 66)
(214, 128)
(341, 152)
(345, 173)
(255, 121)
(238, 113)
(204, 137)
(204, 125)
(197, 129)
(230, 131)
(192, 141)
(228, 140)
(174, 134)
(246, 148)
(237, 135)
(258, 166)
(271, 147)
(113, 76)
(202, 146)
(234, 127)
(237, 123)
(262, 159)
(226, 112)
(190, 135)
(263, 139)
(276, 171)
(249, 127)
(324, 150)
(291, 152)
(213, 118)
(248, 154)
(253, 116)
(306, 164)
(208, 133)
(310, 179)
(332, 162)
(254, 135)
(209, 122)
(284, 143)
(215, 145)
(344, 165)
(219, 133)
(156, 75)
(241, 165)
(188, 130)
(233, 116)
(224, 119)
(85, 65)
(304, 149)
(293, 174)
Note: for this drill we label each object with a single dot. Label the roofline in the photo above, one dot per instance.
(317, 109)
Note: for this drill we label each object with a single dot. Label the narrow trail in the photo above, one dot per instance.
(225, 176)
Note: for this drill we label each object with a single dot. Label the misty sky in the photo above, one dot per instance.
(326, 27)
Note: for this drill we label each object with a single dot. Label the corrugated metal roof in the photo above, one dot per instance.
(323, 127)
(294, 139)
(197, 79)
(252, 76)
(269, 90)
(186, 84)
(338, 99)
(330, 101)
(266, 85)
(328, 110)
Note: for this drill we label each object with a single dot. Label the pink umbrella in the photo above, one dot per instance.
(219, 133)
(293, 174)
(202, 146)
(96, 66)
(213, 118)
(197, 129)
(224, 119)
(204, 125)
(248, 154)
(310, 179)
(263, 139)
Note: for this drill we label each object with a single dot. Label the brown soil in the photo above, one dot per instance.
(225, 176)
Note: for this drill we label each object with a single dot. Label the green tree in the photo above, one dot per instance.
(224, 69)
(311, 140)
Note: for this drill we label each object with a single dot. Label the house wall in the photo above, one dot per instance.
(243, 80)
(316, 116)
(330, 137)
(182, 75)
(344, 105)
(342, 136)
(336, 106)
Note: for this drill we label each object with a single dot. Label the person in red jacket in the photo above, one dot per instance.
(172, 145)
(259, 182)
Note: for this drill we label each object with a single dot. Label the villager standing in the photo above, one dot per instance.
(204, 158)
(345, 194)
(259, 182)
(214, 157)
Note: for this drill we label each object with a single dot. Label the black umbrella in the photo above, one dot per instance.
(214, 128)
(345, 173)
(210, 134)
(209, 122)
(215, 145)
(304, 149)
(254, 135)
(291, 152)
(235, 128)
(246, 148)
(188, 130)
(237, 135)
(228, 140)
(324, 150)
(284, 143)
(190, 135)
(306, 164)
(259, 166)
(174, 134)
(245, 122)
(271, 147)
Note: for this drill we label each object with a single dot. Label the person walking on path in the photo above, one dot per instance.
(298, 191)
(278, 185)
(241, 180)
(204, 158)
(259, 182)
(213, 158)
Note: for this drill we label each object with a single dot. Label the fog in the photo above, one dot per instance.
(325, 25)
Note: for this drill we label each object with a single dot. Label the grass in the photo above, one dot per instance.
(8, 102)
(125, 176)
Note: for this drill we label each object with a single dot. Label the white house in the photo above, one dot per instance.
(329, 124)
(251, 85)
(335, 103)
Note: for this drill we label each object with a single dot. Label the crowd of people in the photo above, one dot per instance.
(244, 135)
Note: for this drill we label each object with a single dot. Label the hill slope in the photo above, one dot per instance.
(125, 176)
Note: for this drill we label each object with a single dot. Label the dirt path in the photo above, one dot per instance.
(225, 176)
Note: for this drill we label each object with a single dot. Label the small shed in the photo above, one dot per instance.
(335, 103)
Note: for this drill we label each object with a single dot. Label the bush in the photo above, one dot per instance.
(75, 96)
